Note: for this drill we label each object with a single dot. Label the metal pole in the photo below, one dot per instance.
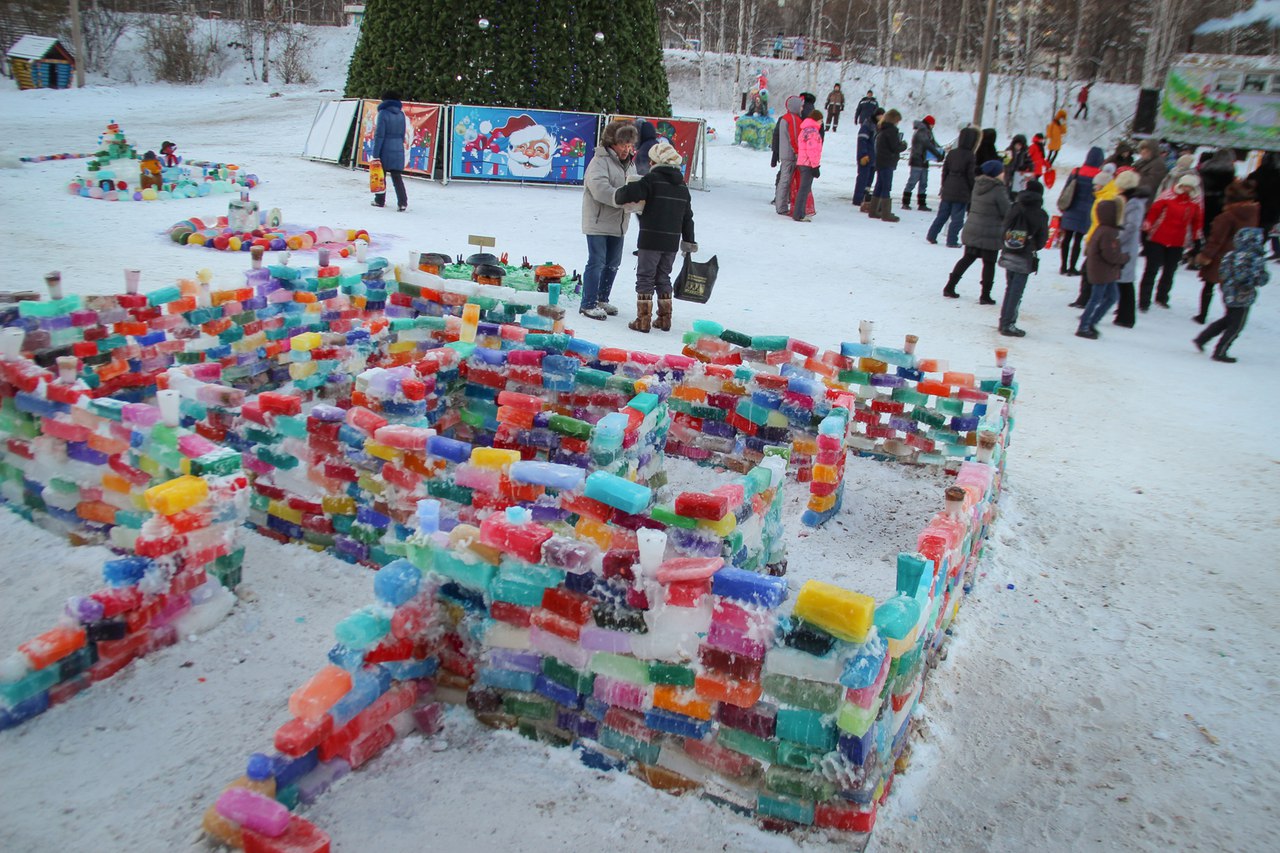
(77, 42)
(988, 37)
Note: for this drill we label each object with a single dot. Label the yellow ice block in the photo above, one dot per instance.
(305, 341)
(844, 614)
(598, 533)
(723, 527)
(334, 505)
(381, 451)
(176, 495)
(821, 503)
(493, 457)
(302, 369)
(280, 509)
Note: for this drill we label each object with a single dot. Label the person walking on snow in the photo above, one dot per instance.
(1244, 270)
(389, 147)
(986, 150)
(1082, 100)
(1150, 167)
(1054, 134)
(808, 159)
(923, 148)
(866, 108)
(834, 106)
(604, 221)
(785, 133)
(889, 148)
(958, 175)
(665, 228)
(1241, 211)
(1104, 260)
(1018, 166)
(983, 233)
(1136, 198)
(1104, 189)
(1027, 223)
(1075, 215)
(1174, 222)
(866, 157)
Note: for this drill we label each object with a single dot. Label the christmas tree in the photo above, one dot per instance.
(585, 55)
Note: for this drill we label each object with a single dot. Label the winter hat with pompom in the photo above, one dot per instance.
(663, 154)
(992, 168)
(1126, 179)
(930, 120)
(1190, 182)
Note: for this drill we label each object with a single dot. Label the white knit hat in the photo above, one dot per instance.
(663, 154)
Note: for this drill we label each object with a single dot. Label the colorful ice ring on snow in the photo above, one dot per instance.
(215, 233)
(42, 158)
(109, 189)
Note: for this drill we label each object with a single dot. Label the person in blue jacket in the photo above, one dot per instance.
(388, 146)
(1078, 216)
(866, 158)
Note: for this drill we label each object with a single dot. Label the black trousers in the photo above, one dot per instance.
(1124, 304)
(1069, 245)
(397, 181)
(1163, 260)
(988, 258)
(1229, 326)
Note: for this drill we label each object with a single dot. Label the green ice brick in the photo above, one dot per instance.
(854, 377)
(193, 409)
(856, 721)
(66, 487)
(448, 491)
(130, 519)
(675, 674)
(737, 338)
(951, 407)
(644, 403)
(531, 706)
(757, 480)
(925, 416)
(165, 436)
(798, 784)
(229, 578)
(433, 324)
(667, 515)
(561, 673)
(812, 695)
(796, 811)
(533, 573)
(30, 684)
(621, 383)
(592, 376)
(806, 727)
(620, 667)
(289, 797)
(691, 337)
(571, 427)
(708, 327)
(259, 501)
(169, 459)
(769, 343)
(516, 591)
(707, 413)
(749, 410)
(646, 753)
(219, 463)
(478, 575)
(362, 629)
(322, 540)
(747, 744)
(800, 757)
(909, 396)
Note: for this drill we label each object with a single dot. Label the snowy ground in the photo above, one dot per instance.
(1110, 683)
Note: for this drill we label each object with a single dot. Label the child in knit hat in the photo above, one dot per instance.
(666, 227)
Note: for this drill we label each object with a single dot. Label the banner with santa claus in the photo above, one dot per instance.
(422, 130)
(513, 144)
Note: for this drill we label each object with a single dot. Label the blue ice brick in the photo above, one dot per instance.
(372, 517)
(864, 667)
(23, 711)
(596, 708)
(124, 571)
(547, 474)
(578, 345)
(288, 770)
(507, 679)
(592, 756)
(406, 670)
(964, 423)
(749, 587)
(449, 448)
(676, 724)
(367, 684)
(397, 582)
(556, 692)
(616, 492)
(579, 724)
(345, 657)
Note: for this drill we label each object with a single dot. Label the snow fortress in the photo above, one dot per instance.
(506, 480)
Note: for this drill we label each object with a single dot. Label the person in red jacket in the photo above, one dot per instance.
(1039, 162)
(1174, 222)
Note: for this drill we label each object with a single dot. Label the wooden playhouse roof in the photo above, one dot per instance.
(38, 47)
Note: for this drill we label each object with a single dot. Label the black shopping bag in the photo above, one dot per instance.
(696, 279)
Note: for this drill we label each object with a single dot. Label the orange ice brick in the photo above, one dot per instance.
(53, 645)
(681, 700)
(743, 694)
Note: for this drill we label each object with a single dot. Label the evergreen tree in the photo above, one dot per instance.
(542, 54)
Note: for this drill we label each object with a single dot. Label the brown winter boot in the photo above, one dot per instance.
(664, 313)
(876, 207)
(867, 202)
(886, 211)
(644, 313)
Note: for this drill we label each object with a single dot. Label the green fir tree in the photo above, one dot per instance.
(584, 55)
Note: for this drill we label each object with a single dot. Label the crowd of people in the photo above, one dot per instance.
(1156, 203)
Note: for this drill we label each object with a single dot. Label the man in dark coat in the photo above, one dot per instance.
(923, 147)
(1266, 184)
(389, 147)
(648, 138)
(834, 106)
(866, 108)
(866, 157)
(959, 171)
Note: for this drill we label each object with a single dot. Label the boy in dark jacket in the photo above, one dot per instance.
(1104, 260)
(889, 147)
(923, 146)
(1028, 224)
(959, 171)
(866, 160)
(666, 226)
(1244, 270)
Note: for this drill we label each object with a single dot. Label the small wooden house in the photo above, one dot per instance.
(41, 62)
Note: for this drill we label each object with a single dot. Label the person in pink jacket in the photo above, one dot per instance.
(808, 159)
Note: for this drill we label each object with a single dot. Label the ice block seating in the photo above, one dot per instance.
(507, 481)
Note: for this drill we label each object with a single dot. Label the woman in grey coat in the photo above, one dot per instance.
(604, 221)
(983, 234)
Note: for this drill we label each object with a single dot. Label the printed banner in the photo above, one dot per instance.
(512, 144)
(684, 134)
(1216, 103)
(422, 127)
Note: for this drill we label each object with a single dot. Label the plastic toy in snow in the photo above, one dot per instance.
(214, 233)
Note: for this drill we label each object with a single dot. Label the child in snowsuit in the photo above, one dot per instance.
(665, 228)
(1055, 133)
(1104, 260)
(1243, 270)
(149, 171)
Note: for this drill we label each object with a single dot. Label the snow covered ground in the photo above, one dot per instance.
(1110, 684)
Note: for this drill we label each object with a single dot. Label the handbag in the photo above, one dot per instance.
(1068, 194)
(696, 278)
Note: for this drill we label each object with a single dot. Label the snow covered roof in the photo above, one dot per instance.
(1261, 12)
(35, 47)
(1225, 61)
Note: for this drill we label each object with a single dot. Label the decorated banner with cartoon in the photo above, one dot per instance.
(511, 144)
(422, 122)
(684, 134)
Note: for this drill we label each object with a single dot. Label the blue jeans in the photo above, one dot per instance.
(604, 256)
(863, 185)
(1101, 299)
(918, 177)
(884, 182)
(953, 210)
(1014, 284)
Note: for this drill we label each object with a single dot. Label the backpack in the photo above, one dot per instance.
(1068, 194)
(1017, 229)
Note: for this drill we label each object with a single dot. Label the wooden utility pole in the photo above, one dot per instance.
(77, 42)
(988, 36)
